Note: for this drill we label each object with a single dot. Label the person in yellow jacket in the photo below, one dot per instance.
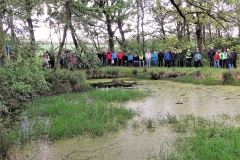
(141, 60)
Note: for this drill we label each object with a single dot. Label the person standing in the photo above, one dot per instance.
(130, 60)
(173, 58)
(154, 59)
(234, 58)
(109, 58)
(120, 57)
(223, 58)
(135, 60)
(229, 61)
(114, 58)
(180, 58)
(197, 59)
(103, 58)
(141, 60)
(211, 54)
(160, 58)
(216, 60)
(52, 60)
(167, 58)
(199, 56)
(188, 58)
(125, 59)
(148, 58)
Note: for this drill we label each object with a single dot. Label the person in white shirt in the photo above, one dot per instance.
(148, 58)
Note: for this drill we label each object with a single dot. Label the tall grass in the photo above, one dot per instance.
(95, 112)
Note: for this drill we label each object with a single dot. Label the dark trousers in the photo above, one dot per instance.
(180, 63)
(224, 63)
(173, 63)
(167, 63)
(104, 62)
(125, 63)
(115, 62)
(197, 63)
(160, 62)
(119, 62)
(188, 63)
(130, 63)
(234, 63)
(211, 61)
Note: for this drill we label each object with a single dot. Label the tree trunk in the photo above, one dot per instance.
(142, 18)
(199, 35)
(30, 28)
(138, 23)
(204, 36)
(123, 42)
(13, 35)
(68, 18)
(110, 35)
(188, 33)
(73, 33)
(162, 28)
(3, 58)
(210, 33)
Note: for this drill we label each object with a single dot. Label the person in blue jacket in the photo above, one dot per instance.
(154, 59)
(167, 58)
(9, 49)
(130, 60)
(114, 58)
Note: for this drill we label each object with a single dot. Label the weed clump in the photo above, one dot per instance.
(228, 79)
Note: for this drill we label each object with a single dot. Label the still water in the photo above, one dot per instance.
(134, 143)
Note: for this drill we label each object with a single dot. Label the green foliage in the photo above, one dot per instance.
(21, 81)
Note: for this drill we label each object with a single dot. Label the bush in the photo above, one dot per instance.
(20, 81)
(65, 80)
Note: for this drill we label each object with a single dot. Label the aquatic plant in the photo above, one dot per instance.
(94, 113)
(203, 138)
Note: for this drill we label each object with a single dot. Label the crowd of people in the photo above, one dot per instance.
(172, 58)
(217, 59)
(48, 60)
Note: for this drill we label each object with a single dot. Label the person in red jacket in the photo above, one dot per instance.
(109, 58)
(119, 56)
(216, 58)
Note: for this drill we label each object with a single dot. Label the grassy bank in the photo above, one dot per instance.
(200, 138)
(205, 75)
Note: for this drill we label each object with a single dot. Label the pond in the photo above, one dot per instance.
(139, 142)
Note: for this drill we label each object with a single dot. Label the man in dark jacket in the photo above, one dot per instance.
(103, 58)
(234, 58)
(180, 58)
(160, 58)
(173, 58)
(211, 54)
(125, 59)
